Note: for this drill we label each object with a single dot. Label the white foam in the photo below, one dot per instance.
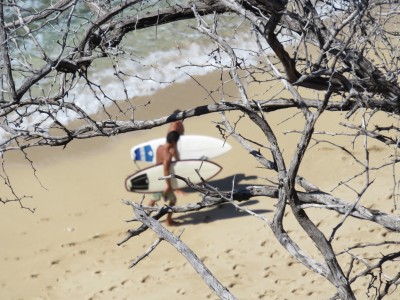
(143, 77)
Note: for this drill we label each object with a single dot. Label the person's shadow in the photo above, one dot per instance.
(225, 184)
(223, 211)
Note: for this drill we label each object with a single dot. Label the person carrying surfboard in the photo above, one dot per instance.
(179, 128)
(164, 155)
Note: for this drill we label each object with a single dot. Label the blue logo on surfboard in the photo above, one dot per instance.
(145, 153)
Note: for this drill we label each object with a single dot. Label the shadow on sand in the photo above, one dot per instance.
(223, 211)
(225, 184)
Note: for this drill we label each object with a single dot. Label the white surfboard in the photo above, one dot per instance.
(147, 180)
(189, 147)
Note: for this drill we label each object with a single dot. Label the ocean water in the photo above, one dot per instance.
(146, 61)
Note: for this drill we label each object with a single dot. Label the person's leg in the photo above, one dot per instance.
(171, 198)
(170, 222)
(154, 198)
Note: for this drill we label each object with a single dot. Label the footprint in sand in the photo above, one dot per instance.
(111, 288)
(96, 295)
(72, 244)
(127, 282)
(82, 252)
(269, 271)
(237, 266)
(55, 262)
(232, 284)
(98, 236)
(181, 291)
(273, 254)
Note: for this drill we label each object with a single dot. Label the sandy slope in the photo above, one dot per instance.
(68, 248)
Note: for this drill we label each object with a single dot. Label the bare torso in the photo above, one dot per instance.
(164, 154)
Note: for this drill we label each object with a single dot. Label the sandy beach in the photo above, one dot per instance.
(68, 248)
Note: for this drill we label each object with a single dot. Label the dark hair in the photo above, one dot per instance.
(173, 136)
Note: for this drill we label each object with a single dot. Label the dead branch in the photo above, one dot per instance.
(191, 257)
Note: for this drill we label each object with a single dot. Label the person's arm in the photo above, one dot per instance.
(181, 128)
(167, 171)
(175, 153)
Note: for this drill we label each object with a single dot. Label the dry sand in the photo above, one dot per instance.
(68, 248)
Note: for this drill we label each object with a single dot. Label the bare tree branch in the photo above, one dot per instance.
(312, 58)
(192, 258)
